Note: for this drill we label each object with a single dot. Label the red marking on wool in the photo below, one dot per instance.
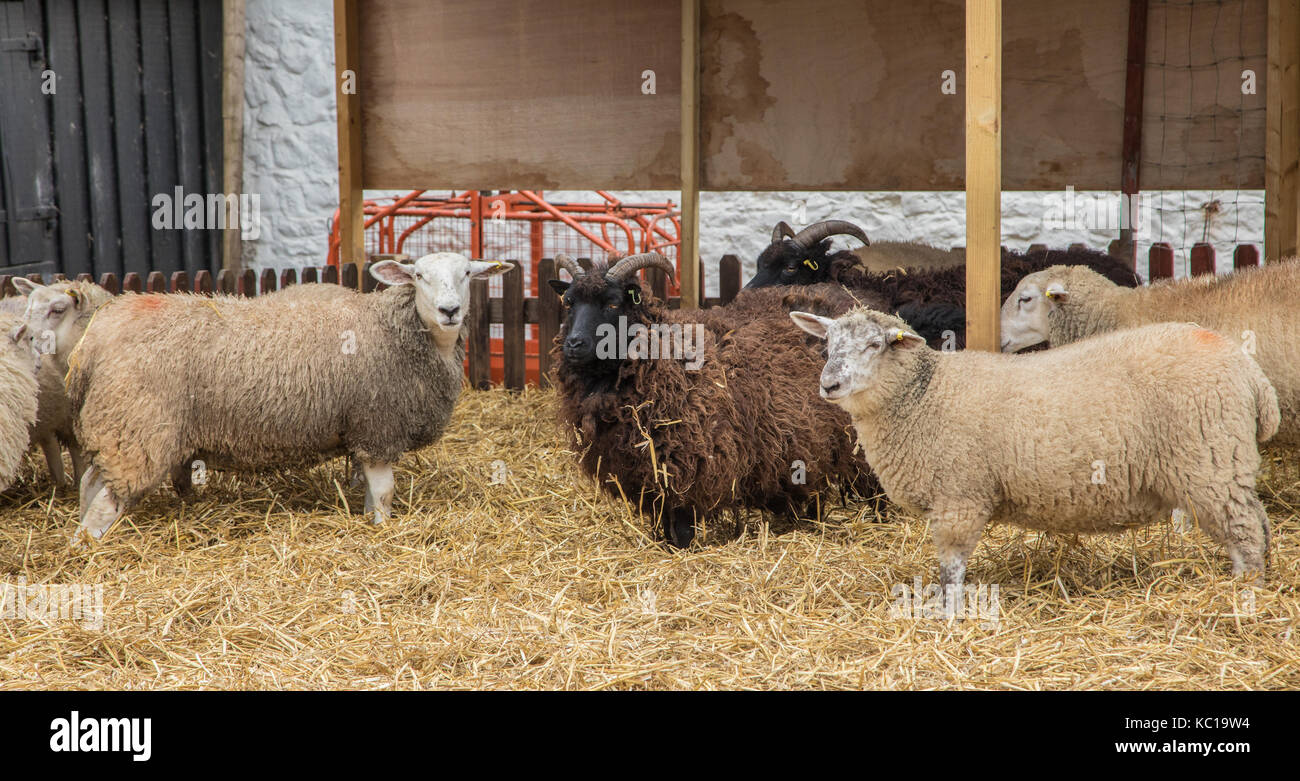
(1207, 338)
(148, 303)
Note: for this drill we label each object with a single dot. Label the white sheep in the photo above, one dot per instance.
(17, 397)
(290, 378)
(1112, 432)
(1255, 308)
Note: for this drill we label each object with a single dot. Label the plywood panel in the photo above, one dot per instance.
(519, 94)
(831, 94)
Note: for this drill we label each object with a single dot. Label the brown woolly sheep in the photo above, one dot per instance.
(1109, 433)
(17, 397)
(290, 378)
(1253, 307)
(723, 421)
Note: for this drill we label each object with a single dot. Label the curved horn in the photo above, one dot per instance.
(782, 230)
(628, 266)
(567, 263)
(821, 230)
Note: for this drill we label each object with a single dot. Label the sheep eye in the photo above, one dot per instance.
(1025, 299)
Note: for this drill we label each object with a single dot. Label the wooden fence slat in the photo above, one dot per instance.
(1202, 259)
(246, 284)
(132, 282)
(330, 275)
(368, 280)
(268, 282)
(480, 329)
(348, 276)
(180, 282)
(288, 277)
(109, 282)
(1245, 256)
(549, 316)
(155, 282)
(226, 281)
(203, 282)
(309, 275)
(84, 277)
(7, 285)
(60, 277)
(512, 328)
(728, 279)
(1160, 261)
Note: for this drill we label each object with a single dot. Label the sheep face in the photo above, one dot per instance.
(786, 263)
(1025, 312)
(441, 283)
(52, 312)
(856, 346)
(593, 305)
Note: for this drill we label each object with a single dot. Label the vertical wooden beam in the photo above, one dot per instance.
(1282, 142)
(983, 173)
(347, 56)
(688, 252)
(1134, 90)
(232, 126)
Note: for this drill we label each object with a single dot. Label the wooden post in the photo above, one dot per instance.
(728, 279)
(347, 58)
(232, 126)
(1201, 259)
(1245, 256)
(512, 328)
(983, 173)
(479, 336)
(1134, 86)
(1160, 261)
(549, 316)
(1282, 139)
(688, 251)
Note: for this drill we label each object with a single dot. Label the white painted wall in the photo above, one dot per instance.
(290, 160)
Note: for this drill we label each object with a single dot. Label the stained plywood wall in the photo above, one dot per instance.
(808, 95)
(833, 95)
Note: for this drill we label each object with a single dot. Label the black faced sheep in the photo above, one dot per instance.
(691, 413)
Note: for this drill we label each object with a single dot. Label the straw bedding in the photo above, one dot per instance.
(541, 581)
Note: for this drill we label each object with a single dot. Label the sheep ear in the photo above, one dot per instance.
(813, 324)
(16, 333)
(559, 286)
(481, 269)
(901, 339)
(1056, 293)
(25, 286)
(75, 296)
(392, 273)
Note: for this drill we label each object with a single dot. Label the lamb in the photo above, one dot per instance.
(1256, 307)
(53, 428)
(1102, 435)
(720, 421)
(290, 378)
(18, 390)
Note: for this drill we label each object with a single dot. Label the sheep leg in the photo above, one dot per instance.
(1243, 530)
(956, 533)
(183, 479)
(379, 490)
(99, 509)
(78, 463)
(54, 459)
(679, 527)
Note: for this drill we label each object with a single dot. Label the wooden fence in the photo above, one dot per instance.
(514, 360)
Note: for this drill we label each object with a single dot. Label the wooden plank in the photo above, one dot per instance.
(109, 282)
(478, 346)
(1201, 260)
(160, 132)
(549, 316)
(1282, 147)
(349, 277)
(562, 102)
(1160, 261)
(188, 117)
(983, 173)
(203, 282)
(211, 26)
(688, 251)
(288, 277)
(1245, 256)
(64, 59)
(128, 129)
(232, 122)
(92, 28)
(132, 283)
(155, 282)
(246, 283)
(1134, 90)
(330, 275)
(226, 281)
(267, 284)
(347, 69)
(512, 327)
(309, 275)
(728, 278)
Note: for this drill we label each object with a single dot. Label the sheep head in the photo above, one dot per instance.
(1042, 296)
(441, 282)
(50, 321)
(801, 258)
(595, 301)
(857, 344)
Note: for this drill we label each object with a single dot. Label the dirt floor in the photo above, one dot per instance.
(541, 581)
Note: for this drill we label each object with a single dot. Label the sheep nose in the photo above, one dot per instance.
(575, 343)
(449, 311)
(830, 388)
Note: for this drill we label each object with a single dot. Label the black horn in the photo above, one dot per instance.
(567, 263)
(782, 230)
(628, 266)
(821, 230)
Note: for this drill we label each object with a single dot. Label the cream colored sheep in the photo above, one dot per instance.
(885, 256)
(1255, 308)
(18, 390)
(1109, 433)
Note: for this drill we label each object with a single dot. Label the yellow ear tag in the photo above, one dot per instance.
(636, 295)
(810, 264)
(73, 295)
(1050, 294)
(899, 337)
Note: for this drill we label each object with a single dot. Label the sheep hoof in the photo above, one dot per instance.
(378, 518)
(679, 530)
